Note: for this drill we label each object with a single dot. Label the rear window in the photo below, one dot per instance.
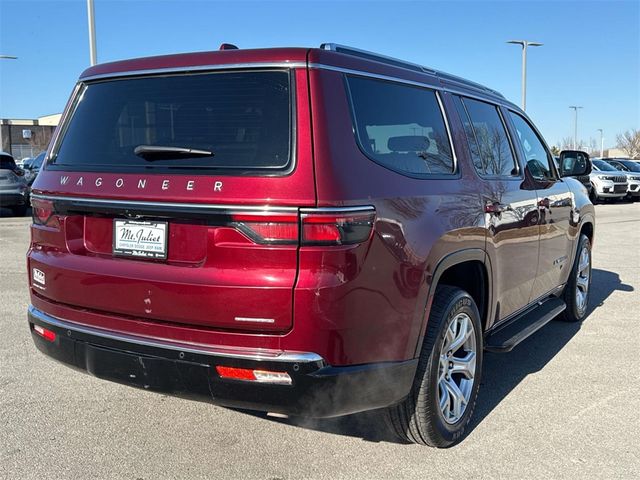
(400, 127)
(7, 163)
(242, 118)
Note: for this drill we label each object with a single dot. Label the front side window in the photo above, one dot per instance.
(536, 156)
(488, 142)
(239, 121)
(400, 127)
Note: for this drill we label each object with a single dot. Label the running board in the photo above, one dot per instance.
(507, 336)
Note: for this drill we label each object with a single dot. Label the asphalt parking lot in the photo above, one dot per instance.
(564, 404)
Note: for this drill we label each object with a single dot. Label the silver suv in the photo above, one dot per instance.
(632, 170)
(607, 181)
(14, 191)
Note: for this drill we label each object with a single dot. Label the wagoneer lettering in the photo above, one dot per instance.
(381, 225)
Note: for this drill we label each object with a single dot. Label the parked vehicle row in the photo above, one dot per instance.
(14, 187)
(631, 169)
(611, 179)
(16, 179)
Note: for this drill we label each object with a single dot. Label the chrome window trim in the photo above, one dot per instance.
(252, 353)
(345, 209)
(196, 68)
(232, 66)
(453, 174)
(443, 112)
(64, 122)
(488, 98)
(131, 204)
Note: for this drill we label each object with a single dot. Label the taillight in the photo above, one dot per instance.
(42, 210)
(315, 226)
(48, 335)
(269, 228)
(336, 226)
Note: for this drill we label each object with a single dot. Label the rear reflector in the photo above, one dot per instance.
(44, 333)
(260, 376)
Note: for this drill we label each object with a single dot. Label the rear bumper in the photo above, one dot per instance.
(317, 389)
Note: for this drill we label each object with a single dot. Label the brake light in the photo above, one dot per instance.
(336, 228)
(260, 376)
(44, 333)
(271, 228)
(42, 210)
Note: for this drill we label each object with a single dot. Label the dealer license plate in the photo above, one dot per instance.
(139, 239)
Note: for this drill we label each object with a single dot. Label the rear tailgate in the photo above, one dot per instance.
(228, 222)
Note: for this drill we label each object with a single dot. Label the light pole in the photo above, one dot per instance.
(601, 142)
(5, 57)
(575, 126)
(93, 55)
(524, 44)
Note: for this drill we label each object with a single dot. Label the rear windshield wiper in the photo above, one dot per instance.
(162, 152)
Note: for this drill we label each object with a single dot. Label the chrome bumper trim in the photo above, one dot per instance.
(233, 352)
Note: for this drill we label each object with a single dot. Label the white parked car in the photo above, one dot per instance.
(608, 182)
(632, 170)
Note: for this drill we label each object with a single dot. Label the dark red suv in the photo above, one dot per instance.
(308, 232)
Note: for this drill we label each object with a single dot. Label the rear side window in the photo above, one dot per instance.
(242, 118)
(488, 142)
(400, 127)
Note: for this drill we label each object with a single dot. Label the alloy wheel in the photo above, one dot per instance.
(457, 368)
(582, 280)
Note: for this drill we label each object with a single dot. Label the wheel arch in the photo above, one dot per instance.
(469, 269)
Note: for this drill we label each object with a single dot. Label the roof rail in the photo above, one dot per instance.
(356, 52)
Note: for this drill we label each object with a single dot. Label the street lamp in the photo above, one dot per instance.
(524, 44)
(93, 55)
(5, 57)
(601, 142)
(575, 126)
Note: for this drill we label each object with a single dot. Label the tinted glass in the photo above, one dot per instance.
(537, 157)
(37, 162)
(474, 148)
(400, 127)
(632, 166)
(493, 152)
(244, 118)
(7, 163)
(602, 165)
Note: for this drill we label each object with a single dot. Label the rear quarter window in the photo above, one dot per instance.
(401, 127)
(243, 118)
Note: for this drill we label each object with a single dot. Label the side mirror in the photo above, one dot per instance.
(574, 163)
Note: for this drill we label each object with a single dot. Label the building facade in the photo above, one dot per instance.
(26, 138)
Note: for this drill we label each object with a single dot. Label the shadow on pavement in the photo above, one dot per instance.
(501, 374)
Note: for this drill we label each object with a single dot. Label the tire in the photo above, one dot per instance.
(19, 210)
(593, 196)
(419, 418)
(576, 291)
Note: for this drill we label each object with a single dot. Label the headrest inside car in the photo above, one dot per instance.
(408, 143)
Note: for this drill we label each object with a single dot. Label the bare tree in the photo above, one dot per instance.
(629, 141)
(566, 143)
